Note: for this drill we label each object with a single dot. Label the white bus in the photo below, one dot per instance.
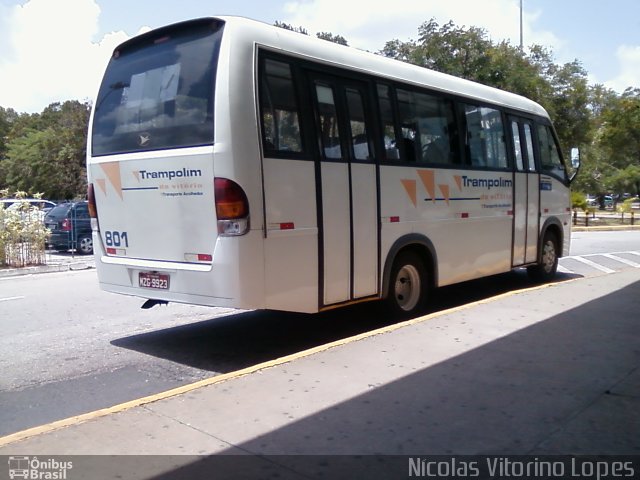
(232, 163)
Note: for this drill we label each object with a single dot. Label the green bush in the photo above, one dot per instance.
(627, 205)
(578, 200)
(23, 235)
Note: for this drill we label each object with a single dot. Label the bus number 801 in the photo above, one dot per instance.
(116, 239)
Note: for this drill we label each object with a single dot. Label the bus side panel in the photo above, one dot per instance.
(555, 202)
(467, 215)
(365, 230)
(291, 246)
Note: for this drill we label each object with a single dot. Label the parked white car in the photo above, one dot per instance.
(36, 206)
(14, 203)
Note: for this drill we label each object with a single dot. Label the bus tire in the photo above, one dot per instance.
(408, 286)
(547, 267)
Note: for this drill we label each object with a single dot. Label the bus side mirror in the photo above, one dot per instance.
(575, 158)
(575, 163)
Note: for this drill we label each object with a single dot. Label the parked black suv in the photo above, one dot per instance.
(70, 227)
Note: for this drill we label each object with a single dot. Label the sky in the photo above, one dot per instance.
(57, 50)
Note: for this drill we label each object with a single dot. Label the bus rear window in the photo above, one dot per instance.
(158, 90)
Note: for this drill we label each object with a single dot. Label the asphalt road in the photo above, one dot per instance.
(586, 243)
(68, 348)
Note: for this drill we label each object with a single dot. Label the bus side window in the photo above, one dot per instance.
(523, 146)
(357, 121)
(408, 121)
(391, 144)
(518, 146)
(550, 159)
(485, 140)
(328, 120)
(438, 131)
(428, 127)
(279, 109)
(529, 142)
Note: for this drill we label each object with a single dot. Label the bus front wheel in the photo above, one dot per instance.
(407, 294)
(546, 269)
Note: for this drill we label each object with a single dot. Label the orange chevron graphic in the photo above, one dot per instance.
(102, 183)
(112, 171)
(410, 187)
(428, 180)
(445, 192)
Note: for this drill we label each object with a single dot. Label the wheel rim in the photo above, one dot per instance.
(407, 288)
(548, 256)
(86, 245)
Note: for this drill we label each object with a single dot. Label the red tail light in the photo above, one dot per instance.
(231, 201)
(66, 225)
(93, 209)
(232, 207)
(91, 198)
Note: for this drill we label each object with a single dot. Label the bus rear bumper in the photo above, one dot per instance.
(172, 297)
(216, 285)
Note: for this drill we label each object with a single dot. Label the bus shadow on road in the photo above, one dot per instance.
(232, 342)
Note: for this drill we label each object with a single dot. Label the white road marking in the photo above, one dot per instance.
(11, 298)
(562, 269)
(621, 260)
(595, 265)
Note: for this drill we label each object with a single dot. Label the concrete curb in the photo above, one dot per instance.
(52, 268)
(606, 228)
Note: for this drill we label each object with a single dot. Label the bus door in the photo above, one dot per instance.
(346, 178)
(526, 214)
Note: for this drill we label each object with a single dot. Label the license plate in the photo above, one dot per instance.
(158, 281)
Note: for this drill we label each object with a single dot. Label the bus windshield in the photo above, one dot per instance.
(157, 91)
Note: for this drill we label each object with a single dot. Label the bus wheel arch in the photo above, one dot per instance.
(410, 273)
(553, 225)
(549, 251)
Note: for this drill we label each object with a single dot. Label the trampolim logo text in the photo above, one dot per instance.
(487, 183)
(113, 177)
(446, 191)
(168, 174)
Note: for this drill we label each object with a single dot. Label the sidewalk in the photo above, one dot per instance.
(56, 262)
(603, 221)
(549, 370)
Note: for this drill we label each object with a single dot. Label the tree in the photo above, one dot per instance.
(511, 70)
(601, 99)
(469, 53)
(330, 37)
(401, 51)
(626, 180)
(620, 131)
(46, 152)
(286, 26)
(7, 117)
(448, 49)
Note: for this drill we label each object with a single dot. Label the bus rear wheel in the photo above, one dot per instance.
(546, 269)
(407, 294)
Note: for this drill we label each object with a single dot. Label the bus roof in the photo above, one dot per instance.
(250, 32)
